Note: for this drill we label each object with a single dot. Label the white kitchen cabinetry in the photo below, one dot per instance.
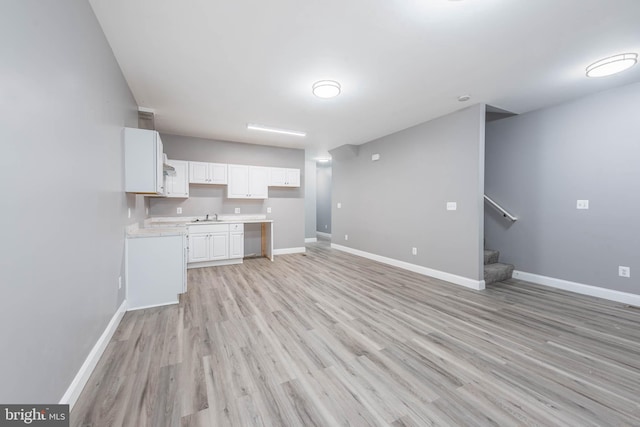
(155, 270)
(248, 182)
(207, 173)
(177, 184)
(236, 241)
(215, 242)
(143, 159)
(284, 177)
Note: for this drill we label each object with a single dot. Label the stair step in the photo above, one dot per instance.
(491, 257)
(497, 272)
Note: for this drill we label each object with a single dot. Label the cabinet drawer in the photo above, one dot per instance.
(236, 227)
(208, 228)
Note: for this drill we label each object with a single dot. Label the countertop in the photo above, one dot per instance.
(176, 226)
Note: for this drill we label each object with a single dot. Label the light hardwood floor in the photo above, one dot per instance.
(331, 339)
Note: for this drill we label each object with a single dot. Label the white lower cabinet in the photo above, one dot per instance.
(215, 242)
(156, 270)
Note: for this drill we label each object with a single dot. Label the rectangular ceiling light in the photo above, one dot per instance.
(275, 130)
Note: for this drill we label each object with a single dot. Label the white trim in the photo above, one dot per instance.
(310, 239)
(80, 380)
(321, 234)
(217, 263)
(442, 275)
(285, 251)
(153, 305)
(579, 288)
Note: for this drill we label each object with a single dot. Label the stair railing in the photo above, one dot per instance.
(502, 210)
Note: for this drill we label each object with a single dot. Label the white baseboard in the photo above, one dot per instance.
(453, 278)
(325, 235)
(153, 305)
(75, 388)
(579, 288)
(285, 251)
(310, 239)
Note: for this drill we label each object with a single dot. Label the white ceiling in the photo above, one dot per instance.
(209, 67)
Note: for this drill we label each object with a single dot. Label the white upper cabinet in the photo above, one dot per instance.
(207, 173)
(284, 177)
(177, 184)
(143, 159)
(247, 182)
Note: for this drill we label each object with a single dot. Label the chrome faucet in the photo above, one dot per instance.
(215, 217)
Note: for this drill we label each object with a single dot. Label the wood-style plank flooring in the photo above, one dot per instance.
(331, 339)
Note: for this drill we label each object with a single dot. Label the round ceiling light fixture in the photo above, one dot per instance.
(464, 98)
(612, 65)
(326, 89)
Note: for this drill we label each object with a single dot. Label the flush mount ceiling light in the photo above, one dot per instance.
(326, 89)
(612, 65)
(252, 126)
(464, 98)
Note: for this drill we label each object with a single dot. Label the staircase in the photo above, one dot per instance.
(495, 271)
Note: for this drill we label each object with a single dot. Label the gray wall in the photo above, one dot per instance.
(399, 202)
(540, 163)
(310, 199)
(64, 104)
(324, 198)
(287, 204)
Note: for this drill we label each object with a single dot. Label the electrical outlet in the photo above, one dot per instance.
(268, 210)
(237, 210)
(339, 205)
(414, 251)
(624, 271)
(582, 204)
(129, 213)
(119, 282)
(346, 237)
(179, 211)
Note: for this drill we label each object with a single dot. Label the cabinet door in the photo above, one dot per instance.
(198, 173)
(217, 173)
(277, 177)
(238, 186)
(236, 244)
(199, 247)
(258, 182)
(177, 184)
(292, 178)
(219, 246)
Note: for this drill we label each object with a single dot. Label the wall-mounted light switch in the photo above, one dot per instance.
(179, 211)
(452, 206)
(119, 282)
(582, 204)
(346, 237)
(375, 157)
(339, 205)
(624, 271)
(268, 210)
(237, 210)
(414, 251)
(147, 211)
(129, 213)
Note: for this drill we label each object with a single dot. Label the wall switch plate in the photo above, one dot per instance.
(346, 237)
(339, 205)
(624, 271)
(179, 211)
(237, 210)
(129, 213)
(414, 251)
(452, 206)
(119, 282)
(147, 211)
(582, 204)
(375, 157)
(326, 226)
(268, 210)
